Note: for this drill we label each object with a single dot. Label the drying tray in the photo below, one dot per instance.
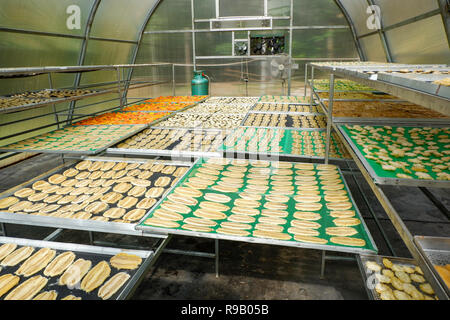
(53, 100)
(302, 103)
(92, 253)
(118, 113)
(420, 82)
(363, 231)
(169, 151)
(383, 177)
(105, 130)
(289, 113)
(436, 251)
(203, 122)
(77, 224)
(389, 121)
(368, 275)
(286, 142)
(196, 101)
(311, 109)
(289, 120)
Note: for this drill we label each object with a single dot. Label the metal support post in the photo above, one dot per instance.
(373, 214)
(216, 242)
(173, 79)
(119, 89)
(91, 238)
(312, 87)
(306, 79)
(50, 83)
(329, 119)
(3, 228)
(290, 45)
(322, 265)
(194, 55)
(52, 236)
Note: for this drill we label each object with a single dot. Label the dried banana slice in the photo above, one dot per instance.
(17, 257)
(47, 295)
(59, 264)
(96, 276)
(75, 273)
(36, 262)
(134, 215)
(6, 249)
(8, 201)
(71, 297)
(113, 285)
(125, 261)
(24, 193)
(154, 192)
(7, 282)
(162, 181)
(28, 289)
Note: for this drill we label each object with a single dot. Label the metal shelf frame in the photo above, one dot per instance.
(408, 94)
(72, 113)
(74, 224)
(435, 102)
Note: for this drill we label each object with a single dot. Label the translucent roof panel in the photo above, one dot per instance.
(317, 13)
(373, 48)
(214, 44)
(173, 47)
(357, 10)
(205, 9)
(119, 19)
(395, 11)
(106, 52)
(165, 19)
(241, 8)
(30, 50)
(279, 8)
(44, 16)
(427, 46)
(331, 43)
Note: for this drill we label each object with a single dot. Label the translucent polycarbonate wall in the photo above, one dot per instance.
(65, 33)
(402, 31)
(319, 31)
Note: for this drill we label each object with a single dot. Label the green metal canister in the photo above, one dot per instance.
(199, 84)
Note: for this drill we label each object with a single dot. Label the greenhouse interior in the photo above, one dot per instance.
(224, 150)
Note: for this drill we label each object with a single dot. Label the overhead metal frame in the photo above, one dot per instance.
(112, 87)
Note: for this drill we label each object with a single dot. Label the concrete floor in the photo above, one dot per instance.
(253, 271)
